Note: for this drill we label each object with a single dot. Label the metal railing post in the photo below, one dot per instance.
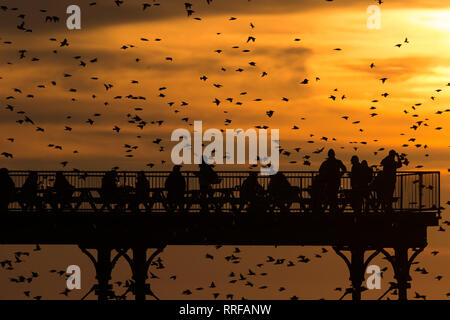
(420, 191)
(401, 193)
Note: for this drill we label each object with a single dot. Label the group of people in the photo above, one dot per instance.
(326, 184)
(28, 194)
(325, 187)
(280, 193)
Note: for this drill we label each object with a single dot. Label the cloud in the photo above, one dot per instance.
(106, 12)
(398, 69)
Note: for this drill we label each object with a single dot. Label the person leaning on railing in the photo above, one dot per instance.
(281, 193)
(366, 181)
(110, 192)
(252, 194)
(63, 191)
(206, 177)
(142, 195)
(29, 192)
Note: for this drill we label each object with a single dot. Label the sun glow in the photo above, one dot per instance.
(438, 20)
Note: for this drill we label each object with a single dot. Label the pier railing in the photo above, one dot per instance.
(417, 191)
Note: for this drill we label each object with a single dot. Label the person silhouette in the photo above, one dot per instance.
(332, 170)
(29, 192)
(176, 187)
(7, 190)
(207, 177)
(280, 191)
(109, 191)
(356, 184)
(390, 164)
(63, 191)
(317, 192)
(142, 192)
(366, 181)
(252, 194)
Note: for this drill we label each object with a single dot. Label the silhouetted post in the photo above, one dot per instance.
(140, 272)
(401, 265)
(356, 266)
(103, 269)
(357, 271)
(401, 193)
(401, 272)
(421, 186)
(139, 267)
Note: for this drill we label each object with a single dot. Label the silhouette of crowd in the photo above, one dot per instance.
(369, 190)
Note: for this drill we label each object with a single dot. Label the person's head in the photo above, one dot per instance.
(111, 174)
(253, 175)
(176, 168)
(392, 153)
(141, 174)
(207, 162)
(279, 175)
(364, 163)
(331, 154)
(59, 175)
(4, 172)
(33, 174)
(354, 160)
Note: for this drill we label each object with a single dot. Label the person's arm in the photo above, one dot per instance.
(399, 162)
(343, 167)
(166, 184)
(321, 168)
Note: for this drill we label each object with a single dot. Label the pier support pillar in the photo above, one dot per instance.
(139, 265)
(402, 265)
(103, 269)
(356, 266)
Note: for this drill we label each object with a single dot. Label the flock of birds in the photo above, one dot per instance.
(254, 276)
(251, 274)
(136, 118)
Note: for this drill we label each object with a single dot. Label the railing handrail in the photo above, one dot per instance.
(414, 190)
(195, 171)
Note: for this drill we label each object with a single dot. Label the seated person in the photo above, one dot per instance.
(110, 192)
(63, 191)
(29, 192)
(252, 194)
(142, 191)
(280, 191)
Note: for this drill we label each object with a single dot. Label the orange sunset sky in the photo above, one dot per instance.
(418, 88)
